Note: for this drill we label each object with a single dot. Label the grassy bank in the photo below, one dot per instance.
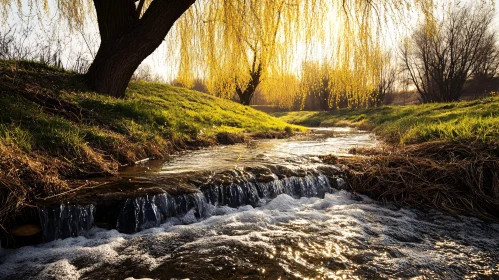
(471, 122)
(444, 156)
(53, 129)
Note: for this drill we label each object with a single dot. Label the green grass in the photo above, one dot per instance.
(48, 111)
(171, 112)
(470, 122)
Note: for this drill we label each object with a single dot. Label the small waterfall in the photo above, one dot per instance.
(66, 221)
(146, 212)
(149, 211)
(250, 192)
(138, 214)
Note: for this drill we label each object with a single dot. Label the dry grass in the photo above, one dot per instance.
(452, 177)
(22, 179)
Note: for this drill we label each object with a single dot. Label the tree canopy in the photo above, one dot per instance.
(239, 46)
(235, 45)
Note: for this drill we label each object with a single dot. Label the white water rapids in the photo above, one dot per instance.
(339, 236)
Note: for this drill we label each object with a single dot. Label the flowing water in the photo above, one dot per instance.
(301, 150)
(293, 227)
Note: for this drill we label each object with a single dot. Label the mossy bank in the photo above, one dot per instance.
(54, 130)
(442, 155)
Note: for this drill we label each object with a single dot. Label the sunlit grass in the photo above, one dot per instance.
(176, 112)
(25, 125)
(149, 118)
(475, 121)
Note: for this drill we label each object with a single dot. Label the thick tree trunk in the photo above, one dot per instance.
(127, 39)
(246, 95)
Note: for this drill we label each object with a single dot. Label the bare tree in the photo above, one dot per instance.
(441, 56)
(385, 83)
(487, 67)
(14, 42)
(6, 42)
(488, 64)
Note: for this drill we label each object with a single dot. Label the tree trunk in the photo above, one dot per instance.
(127, 39)
(246, 95)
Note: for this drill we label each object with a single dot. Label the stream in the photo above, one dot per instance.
(267, 209)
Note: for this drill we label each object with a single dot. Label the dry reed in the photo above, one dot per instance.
(453, 177)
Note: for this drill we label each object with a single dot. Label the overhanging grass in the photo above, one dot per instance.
(457, 178)
(475, 121)
(53, 129)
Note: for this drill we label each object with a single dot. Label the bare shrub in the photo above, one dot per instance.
(442, 55)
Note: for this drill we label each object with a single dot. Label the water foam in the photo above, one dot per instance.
(339, 235)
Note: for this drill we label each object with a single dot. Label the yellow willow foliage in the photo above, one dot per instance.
(315, 79)
(74, 13)
(356, 66)
(281, 90)
(224, 42)
(236, 38)
(352, 73)
(297, 15)
(339, 82)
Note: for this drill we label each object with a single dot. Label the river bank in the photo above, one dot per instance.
(54, 132)
(265, 209)
(443, 156)
(467, 122)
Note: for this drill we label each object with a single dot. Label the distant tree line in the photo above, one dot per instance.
(443, 58)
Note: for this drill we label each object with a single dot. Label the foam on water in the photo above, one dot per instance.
(341, 235)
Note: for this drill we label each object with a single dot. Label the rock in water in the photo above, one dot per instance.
(26, 230)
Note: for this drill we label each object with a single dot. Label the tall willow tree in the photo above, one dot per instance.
(350, 74)
(241, 45)
(131, 30)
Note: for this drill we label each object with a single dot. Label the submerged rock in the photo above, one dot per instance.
(25, 230)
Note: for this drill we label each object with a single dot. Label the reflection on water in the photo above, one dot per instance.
(299, 150)
(340, 236)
